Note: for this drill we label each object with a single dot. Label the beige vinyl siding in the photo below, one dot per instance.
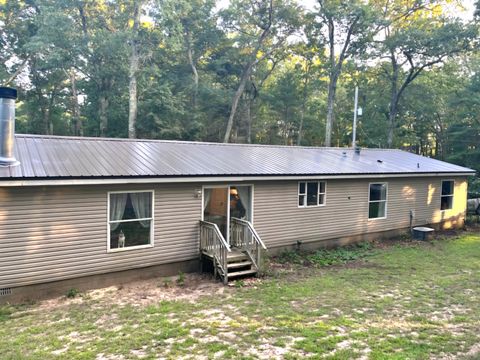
(56, 233)
(280, 222)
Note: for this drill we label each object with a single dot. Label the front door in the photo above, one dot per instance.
(222, 203)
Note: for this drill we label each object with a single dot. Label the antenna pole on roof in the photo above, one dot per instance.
(355, 113)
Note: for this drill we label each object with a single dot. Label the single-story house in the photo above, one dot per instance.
(87, 212)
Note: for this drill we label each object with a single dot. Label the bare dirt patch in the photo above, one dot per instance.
(474, 350)
(144, 292)
(267, 349)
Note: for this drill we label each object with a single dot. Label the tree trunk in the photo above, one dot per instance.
(336, 68)
(248, 115)
(77, 124)
(134, 65)
(247, 71)
(393, 107)
(302, 117)
(47, 124)
(300, 127)
(332, 89)
(103, 106)
(194, 72)
(236, 98)
(285, 127)
(133, 101)
(46, 121)
(439, 138)
(304, 105)
(392, 114)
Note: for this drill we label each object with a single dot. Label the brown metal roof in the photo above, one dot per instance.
(50, 157)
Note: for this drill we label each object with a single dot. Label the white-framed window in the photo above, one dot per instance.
(446, 199)
(312, 193)
(130, 220)
(377, 200)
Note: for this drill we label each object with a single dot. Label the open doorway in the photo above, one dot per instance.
(221, 203)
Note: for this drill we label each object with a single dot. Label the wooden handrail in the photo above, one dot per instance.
(218, 233)
(244, 236)
(213, 243)
(252, 229)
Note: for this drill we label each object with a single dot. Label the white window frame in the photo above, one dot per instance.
(318, 194)
(152, 237)
(452, 196)
(386, 200)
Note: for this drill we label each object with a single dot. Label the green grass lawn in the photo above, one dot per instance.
(403, 301)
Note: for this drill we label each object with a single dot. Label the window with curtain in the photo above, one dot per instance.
(311, 193)
(130, 219)
(377, 201)
(446, 200)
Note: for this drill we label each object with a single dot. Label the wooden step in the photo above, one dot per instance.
(235, 252)
(242, 273)
(235, 257)
(232, 256)
(236, 265)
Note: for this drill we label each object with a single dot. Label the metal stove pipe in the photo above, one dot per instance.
(7, 126)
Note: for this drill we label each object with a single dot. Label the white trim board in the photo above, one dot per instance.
(213, 179)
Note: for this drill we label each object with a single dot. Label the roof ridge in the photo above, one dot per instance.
(205, 143)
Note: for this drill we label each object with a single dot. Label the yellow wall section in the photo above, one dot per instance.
(450, 217)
